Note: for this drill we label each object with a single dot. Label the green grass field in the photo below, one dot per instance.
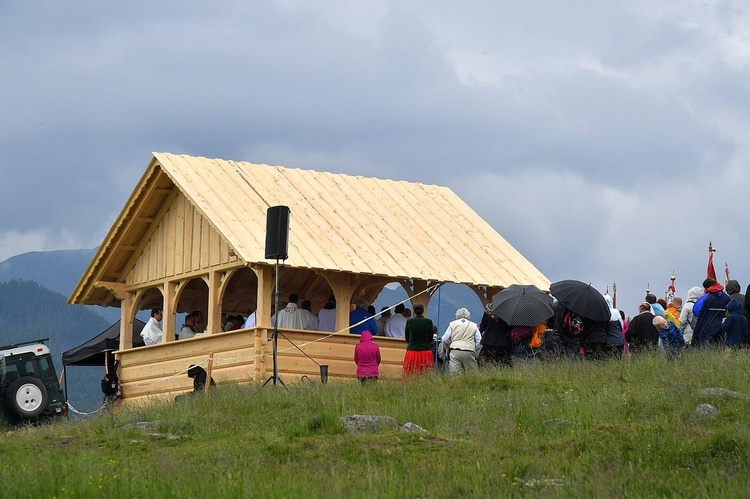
(553, 429)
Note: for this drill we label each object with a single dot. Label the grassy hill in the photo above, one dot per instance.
(557, 429)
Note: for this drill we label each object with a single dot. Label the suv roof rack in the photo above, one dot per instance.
(15, 345)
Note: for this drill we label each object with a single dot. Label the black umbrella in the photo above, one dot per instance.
(582, 299)
(522, 305)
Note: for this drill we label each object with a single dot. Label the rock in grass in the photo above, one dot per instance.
(413, 428)
(705, 411)
(142, 425)
(721, 392)
(360, 423)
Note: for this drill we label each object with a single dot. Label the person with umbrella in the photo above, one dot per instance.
(496, 345)
(582, 318)
(567, 332)
(524, 309)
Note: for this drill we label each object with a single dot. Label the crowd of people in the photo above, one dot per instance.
(711, 315)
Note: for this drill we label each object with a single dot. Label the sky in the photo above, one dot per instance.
(606, 141)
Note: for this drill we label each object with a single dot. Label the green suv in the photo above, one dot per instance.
(29, 389)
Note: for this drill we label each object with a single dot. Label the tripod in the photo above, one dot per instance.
(275, 336)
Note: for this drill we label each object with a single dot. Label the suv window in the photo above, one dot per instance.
(46, 367)
(11, 374)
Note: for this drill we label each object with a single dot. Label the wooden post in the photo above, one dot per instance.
(343, 287)
(169, 292)
(208, 372)
(259, 364)
(265, 295)
(214, 302)
(126, 322)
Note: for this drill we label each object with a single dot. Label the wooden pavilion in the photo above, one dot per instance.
(192, 237)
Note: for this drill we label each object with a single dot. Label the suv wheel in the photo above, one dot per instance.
(27, 397)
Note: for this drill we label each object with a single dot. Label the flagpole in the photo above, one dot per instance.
(614, 294)
(671, 290)
(726, 273)
(710, 271)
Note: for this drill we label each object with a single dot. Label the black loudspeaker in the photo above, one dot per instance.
(277, 232)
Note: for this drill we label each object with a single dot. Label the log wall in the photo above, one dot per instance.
(159, 372)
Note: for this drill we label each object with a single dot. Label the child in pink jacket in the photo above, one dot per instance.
(367, 358)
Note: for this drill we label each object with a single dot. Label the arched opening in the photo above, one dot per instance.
(305, 283)
(441, 306)
(149, 299)
(240, 296)
(192, 295)
(450, 297)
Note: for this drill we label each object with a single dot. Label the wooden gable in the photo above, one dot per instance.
(183, 242)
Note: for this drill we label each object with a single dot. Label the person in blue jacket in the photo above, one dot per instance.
(735, 325)
(710, 309)
(671, 336)
(360, 319)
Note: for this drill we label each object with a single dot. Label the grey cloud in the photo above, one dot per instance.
(607, 100)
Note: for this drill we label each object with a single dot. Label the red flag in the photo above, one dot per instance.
(710, 272)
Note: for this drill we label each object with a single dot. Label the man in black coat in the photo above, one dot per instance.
(642, 334)
(496, 345)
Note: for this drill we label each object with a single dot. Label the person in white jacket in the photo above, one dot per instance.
(464, 341)
(687, 319)
(151, 332)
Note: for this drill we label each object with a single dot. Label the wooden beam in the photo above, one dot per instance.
(118, 289)
(188, 276)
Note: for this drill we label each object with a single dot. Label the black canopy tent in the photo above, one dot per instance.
(98, 351)
(94, 351)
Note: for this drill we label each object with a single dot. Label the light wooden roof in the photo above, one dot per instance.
(338, 222)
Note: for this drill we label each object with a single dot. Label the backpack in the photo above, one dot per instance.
(573, 323)
(110, 384)
(520, 334)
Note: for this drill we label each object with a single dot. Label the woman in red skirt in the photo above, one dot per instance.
(418, 335)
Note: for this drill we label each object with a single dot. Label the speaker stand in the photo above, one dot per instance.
(275, 336)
